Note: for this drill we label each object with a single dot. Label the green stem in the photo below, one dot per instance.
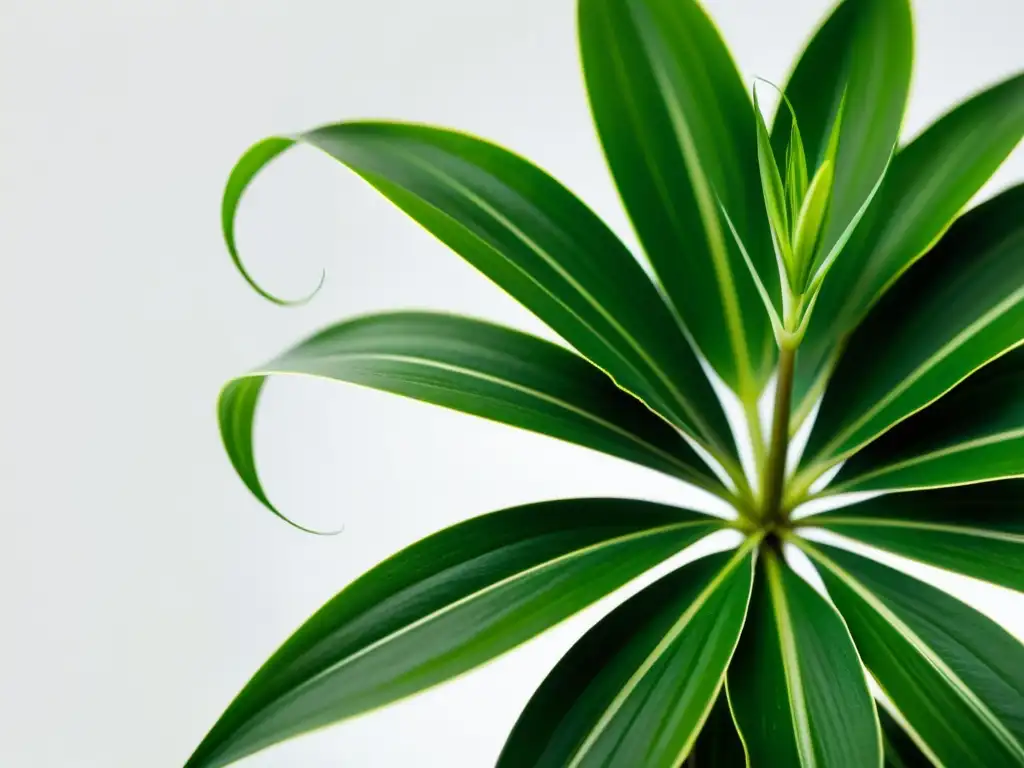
(778, 446)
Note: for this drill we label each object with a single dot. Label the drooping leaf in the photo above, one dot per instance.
(535, 240)
(956, 676)
(973, 434)
(719, 743)
(977, 530)
(796, 684)
(637, 688)
(928, 184)
(677, 128)
(899, 748)
(473, 367)
(445, 605)
(950, 314)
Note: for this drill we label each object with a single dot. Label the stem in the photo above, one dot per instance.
(778, 447)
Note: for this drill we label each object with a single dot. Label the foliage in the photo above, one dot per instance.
(819, 253)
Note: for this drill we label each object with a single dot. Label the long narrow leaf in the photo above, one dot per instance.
(956, 677)
(445, 605)
(976, 530)
(534, 239)
(796, 684)
(973, 434)
(476, 368)
(953, 312)
(900, 749)
(677, 127)
(719, 743)
(928, 183)
(637, 688)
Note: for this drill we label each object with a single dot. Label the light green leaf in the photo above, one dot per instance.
(476, 368)
(809, 222)
(796, 175)
(796, 684)
(956, 677)
(928, 183)
(676, 124)
(973, 434)
(977, 530)
(637, 688)
(535, 240)
(772, 189)
(953, 312)
(443, 606)
(719, 743)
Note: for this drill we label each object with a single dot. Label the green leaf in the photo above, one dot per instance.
(637, 688)
(876, 87)
(796, 174)
(772, 189)
(676, 124)
(956, 677)
(796, 684)
(535, 240)
(976, 530)
(973, 434)
(900, 749)
(809, 222)
(476, 368)
(953, 312)
(719, 743)
(928, 183)
(443, 606)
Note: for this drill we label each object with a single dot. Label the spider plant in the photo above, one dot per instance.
(821, 265)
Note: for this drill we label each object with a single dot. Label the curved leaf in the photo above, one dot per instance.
(719, 743)
(677, 127)
(928, 183)
(637, 688)
(955, 676)
(796, 684)
(476, 368)
(949, 315)
(974, 433)
(535, 240)
(445, 605)
(977, 530)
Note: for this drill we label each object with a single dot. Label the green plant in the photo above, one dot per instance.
(821, 253)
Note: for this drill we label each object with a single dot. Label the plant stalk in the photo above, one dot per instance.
(778, 446)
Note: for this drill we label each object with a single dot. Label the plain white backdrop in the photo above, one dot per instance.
(140, 584)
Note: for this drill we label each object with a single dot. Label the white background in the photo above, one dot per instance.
(140, 584)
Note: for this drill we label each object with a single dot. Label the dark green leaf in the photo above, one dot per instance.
(953, 312)
(956, 676)
(977, 530)
(719, 744)
(637, 688)
(928, 184)
(974, 433)
(677, 127)
(796, 684)
(535, 240)
(476, 368)
(900, 749)
(445, 605)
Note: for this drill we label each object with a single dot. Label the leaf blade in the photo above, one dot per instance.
(443, 606)
(605, 702)
(474, 367)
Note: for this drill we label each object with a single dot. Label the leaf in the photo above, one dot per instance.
(535, 240)
(443, 606)
(772, 189)
(900, 749)
(928, 183)
(956, 676)
(796, 684)
(973, 434)
(809, 222)
(949, 315)
(719, 743)
(796, 173)
(676, 124)
(639, 685)
(976, 530)
(476, 368)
